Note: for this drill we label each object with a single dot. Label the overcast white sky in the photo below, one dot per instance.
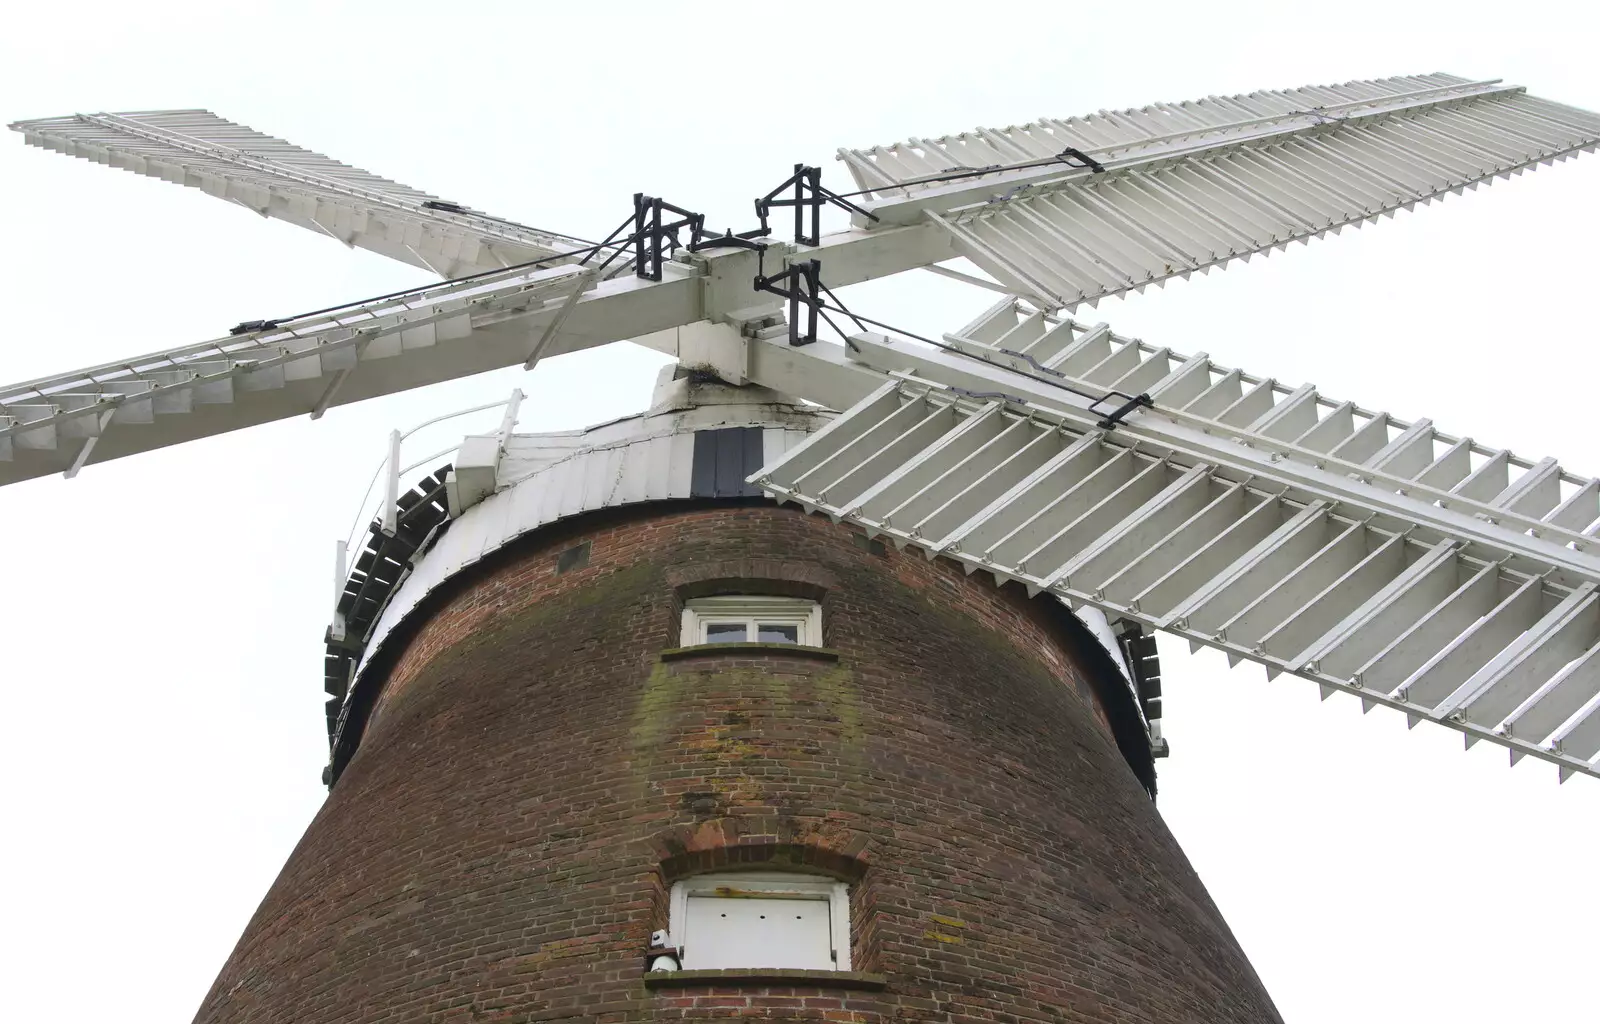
(161, 726)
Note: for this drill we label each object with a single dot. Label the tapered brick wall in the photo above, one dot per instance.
(541, 765)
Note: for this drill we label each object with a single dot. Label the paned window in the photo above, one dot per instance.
(751, 620)
(761, 920)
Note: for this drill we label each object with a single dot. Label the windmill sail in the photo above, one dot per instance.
(1071, 211)
(310, 363)
(276, 179)
(1419, 570)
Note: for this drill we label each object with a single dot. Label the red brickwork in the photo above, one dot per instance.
(537, 773)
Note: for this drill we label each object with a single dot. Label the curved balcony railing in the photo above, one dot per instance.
(407, 501)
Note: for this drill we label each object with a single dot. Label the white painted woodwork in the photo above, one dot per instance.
(1194, 185)
(753, 613)
(761, 919)
(542, 478)
(1472, 607)
(753, 932)
(279, 180)
(307, 364)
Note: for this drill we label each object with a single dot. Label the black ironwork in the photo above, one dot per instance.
(656, 238)
(252, 326)
(655, 226)
(1078, 158)
(809, 195)
(732, 240)
(1120, 413)
(800, 283)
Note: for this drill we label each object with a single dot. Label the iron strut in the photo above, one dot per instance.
(800, 283)
(809, 194)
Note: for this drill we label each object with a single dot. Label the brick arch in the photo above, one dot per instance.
(766, 576)
(756, 843)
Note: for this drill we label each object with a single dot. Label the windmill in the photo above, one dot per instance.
(1414, 568)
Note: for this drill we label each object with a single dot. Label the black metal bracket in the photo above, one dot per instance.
(809, 194)
(1078, 158)
(801, 283)
(1071, 156)
(655, 237)
(731, 240)
(252, 326)
(651, 236)
(1120, 413)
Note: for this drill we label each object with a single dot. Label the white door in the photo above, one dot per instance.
(739, 932)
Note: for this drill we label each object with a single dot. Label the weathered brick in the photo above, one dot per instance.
(534, 774)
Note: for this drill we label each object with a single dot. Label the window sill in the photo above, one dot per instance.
(800, 652)
(754, 977)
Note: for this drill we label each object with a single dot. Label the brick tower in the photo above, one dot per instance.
(631, 743)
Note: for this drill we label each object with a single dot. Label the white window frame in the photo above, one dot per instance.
(700, 612)
(766, 885)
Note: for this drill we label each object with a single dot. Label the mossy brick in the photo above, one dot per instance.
(533, 774)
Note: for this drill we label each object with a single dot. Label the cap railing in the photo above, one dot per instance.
(399, 467)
